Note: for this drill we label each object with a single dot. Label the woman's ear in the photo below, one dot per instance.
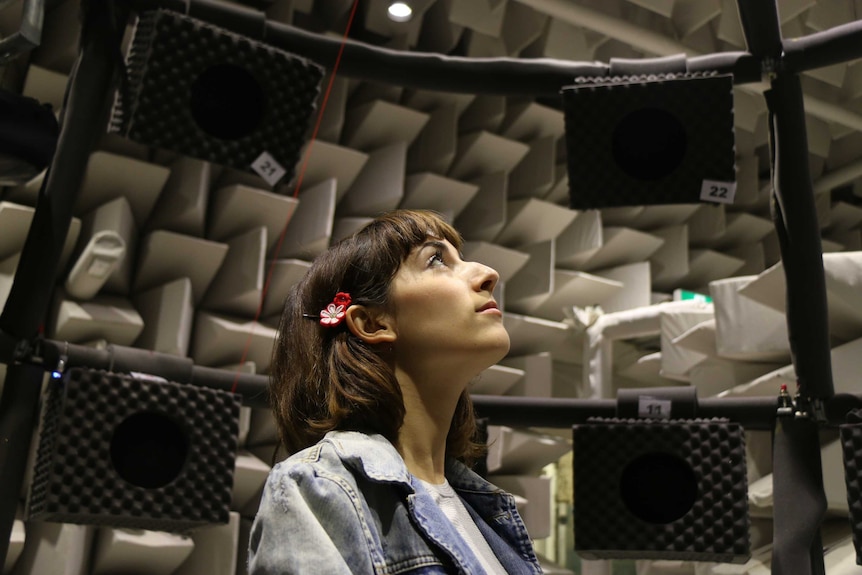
(371, 325)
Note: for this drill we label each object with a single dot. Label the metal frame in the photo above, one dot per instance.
(28, 35)
(90, 89)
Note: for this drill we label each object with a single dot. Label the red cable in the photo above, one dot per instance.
(295, 192)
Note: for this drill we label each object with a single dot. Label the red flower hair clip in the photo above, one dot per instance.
(334, 313)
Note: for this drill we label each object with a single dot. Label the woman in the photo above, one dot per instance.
(377, 346)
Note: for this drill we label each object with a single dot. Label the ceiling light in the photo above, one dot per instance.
(400, 12)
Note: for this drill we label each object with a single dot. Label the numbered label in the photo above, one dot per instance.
(718, 192)
(268, 168)
(653, 408)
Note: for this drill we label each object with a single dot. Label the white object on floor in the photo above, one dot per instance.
(139, 551)
(522, 452)
(110, 318)
(167, 312)
(215, 551)
(676, 361)
(55, 548)
(745, 329)
(16, 540)
(600, 336)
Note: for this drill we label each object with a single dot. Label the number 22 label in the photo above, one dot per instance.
(718, 192)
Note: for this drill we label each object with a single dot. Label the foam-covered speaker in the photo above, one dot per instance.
(851, 447)
(211, 94)
(639, 140)
(661, 489)
(122, 451)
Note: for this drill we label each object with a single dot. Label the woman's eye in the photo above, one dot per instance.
(436, 259)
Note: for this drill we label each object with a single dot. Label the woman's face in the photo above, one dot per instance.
(444, 311)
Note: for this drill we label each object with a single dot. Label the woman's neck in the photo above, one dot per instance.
(428, 416)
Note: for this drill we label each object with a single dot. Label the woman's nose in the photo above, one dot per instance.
(487, 278)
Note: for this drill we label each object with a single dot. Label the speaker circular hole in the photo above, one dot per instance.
(658, 488)
(227, 102)
(149, 450)
(649, 143)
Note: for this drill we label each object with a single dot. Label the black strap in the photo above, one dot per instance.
(799, 502)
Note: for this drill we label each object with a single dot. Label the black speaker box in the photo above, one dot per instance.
(215, 95)
(851, 446)
(121, 451)
(661, 489)
(640, 140)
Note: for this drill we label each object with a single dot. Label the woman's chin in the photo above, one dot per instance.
(500, 350)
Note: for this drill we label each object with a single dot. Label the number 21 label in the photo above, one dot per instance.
(268, 168)
(719, 192)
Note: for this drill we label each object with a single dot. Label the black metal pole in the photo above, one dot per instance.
(431, 71)
(800, 502)
(18, 416)
(754, 413)
(833, 46)
(798, 485)
(761, 27)
(797, 466)
(87, 97)
(795, 215)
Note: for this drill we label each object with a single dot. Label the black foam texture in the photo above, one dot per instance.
(677, 130)
(851, 446)
(183, 77)
(87, 472)
(713, 526)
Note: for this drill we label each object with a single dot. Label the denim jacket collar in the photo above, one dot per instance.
(373, 456)
(377, 459)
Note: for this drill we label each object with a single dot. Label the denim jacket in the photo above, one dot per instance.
(349, 505)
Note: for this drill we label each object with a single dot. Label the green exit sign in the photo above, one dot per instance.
(683, 294)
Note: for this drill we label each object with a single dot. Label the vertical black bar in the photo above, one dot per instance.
(87, 97)
(798, 484)
(18, 413)
(796, 213)
(797, 466)
(799, 238)
(800, 502)
(761, 27)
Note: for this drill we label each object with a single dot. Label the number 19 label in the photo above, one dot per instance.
(719, 192)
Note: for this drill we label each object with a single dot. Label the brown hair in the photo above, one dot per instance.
(323, 379)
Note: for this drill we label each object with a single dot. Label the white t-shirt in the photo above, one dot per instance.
(454, 510)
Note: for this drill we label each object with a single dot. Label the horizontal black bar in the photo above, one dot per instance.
(252, 387)
(540, 412)
(755, 413)
(751, 412)
(115, 358)
(438, 72)
(123, 359)
(833, 46)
